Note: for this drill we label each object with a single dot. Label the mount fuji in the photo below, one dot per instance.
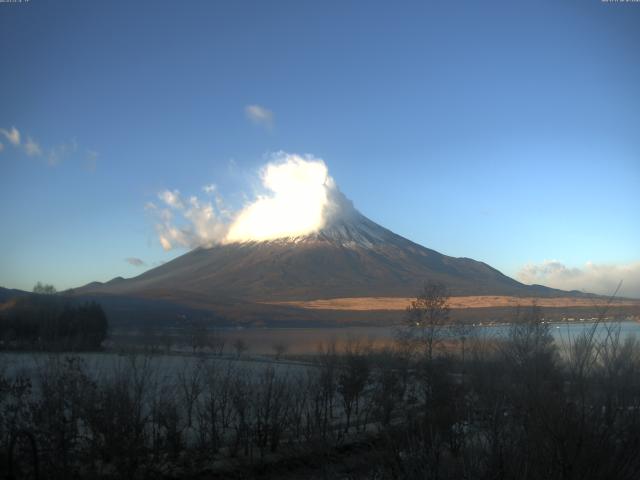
(350, 256)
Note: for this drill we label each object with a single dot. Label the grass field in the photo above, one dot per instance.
(400, 303)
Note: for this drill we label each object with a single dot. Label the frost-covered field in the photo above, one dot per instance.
(155, 367)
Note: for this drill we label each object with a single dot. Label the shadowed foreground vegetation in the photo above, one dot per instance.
(45, 321)
(519, 408)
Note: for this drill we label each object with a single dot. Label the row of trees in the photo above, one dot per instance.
(48, 321)
(135, 420)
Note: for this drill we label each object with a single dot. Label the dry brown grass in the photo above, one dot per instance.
(400, 303)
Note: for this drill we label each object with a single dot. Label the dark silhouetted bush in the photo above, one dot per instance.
(49, 322)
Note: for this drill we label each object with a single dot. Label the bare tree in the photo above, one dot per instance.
(216, 342)
(63, 383)
(240, 396)
(427, 318)
(464, 334)
(325, 388)
(280, 348)
(352, 379)
(215, 411)
(529, 344)
(388, 387)
(240, 346)
(270, 407)
(190, 384)
(197, 336)
(166, 340)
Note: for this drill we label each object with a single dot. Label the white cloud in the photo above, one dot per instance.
(172, 199)
(171, 236)
(209, 188)
(207, 226)
(166, 244)
(298, 197)
(12, 135)
(186, 224)
(594, 278)
(259, 115)
(297, 194)
(32, 148)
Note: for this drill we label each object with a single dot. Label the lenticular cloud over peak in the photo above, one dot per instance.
(299, 197)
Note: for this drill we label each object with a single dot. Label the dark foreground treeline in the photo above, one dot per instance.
(51, 322)
(518, 408)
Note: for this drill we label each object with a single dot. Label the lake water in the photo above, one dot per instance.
(260, 351)
(307, 340)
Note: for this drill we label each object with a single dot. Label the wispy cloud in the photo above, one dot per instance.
(187, 223)
(592, 277)
(91, 160)
(57, 154)
(209, 188)
(136, 262)
(171, 199)
(53, 156)
(13, 135)
(32, 148)
(260, 115)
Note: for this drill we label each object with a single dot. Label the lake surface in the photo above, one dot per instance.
(308, 340)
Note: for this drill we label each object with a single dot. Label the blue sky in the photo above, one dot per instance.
(508, 132)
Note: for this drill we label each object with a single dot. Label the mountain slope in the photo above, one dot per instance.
(350, 257)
